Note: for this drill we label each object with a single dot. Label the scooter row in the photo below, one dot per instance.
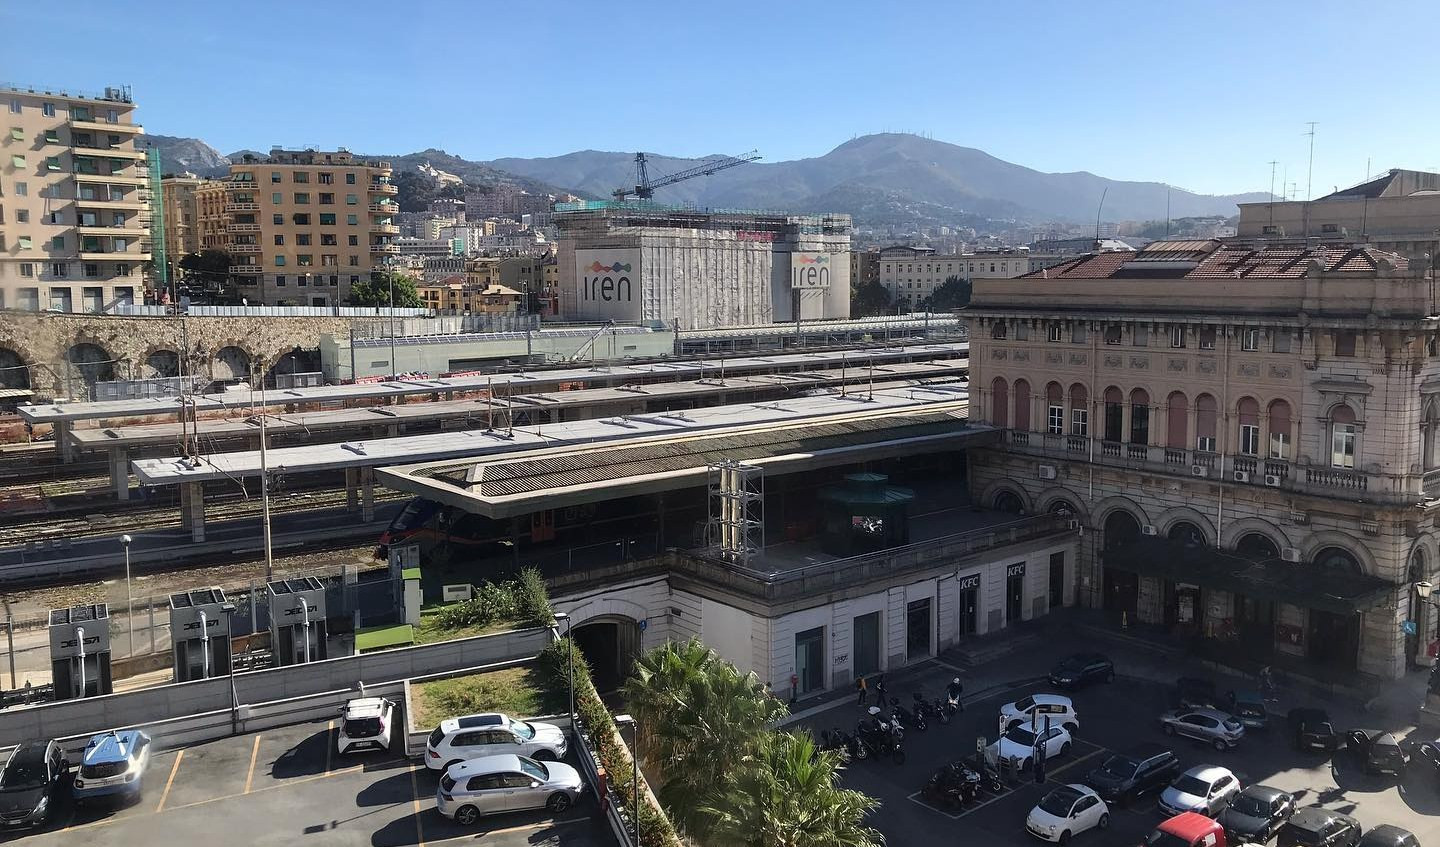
(882, 735)
(961, 783)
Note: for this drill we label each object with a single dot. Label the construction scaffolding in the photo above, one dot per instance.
(156, 205)
(737, 511)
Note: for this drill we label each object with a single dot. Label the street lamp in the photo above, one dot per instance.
(305, 622)
(627, 720)
(129, 602)
(229, 610)
(570, 662)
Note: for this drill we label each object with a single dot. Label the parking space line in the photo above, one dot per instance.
(415, 799)
(915, 798)
(179, 754)
(286, 784)
(509, 830)
(1068, 765)
(254, 754)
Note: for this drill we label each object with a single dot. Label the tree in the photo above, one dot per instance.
(788, 796)
(869, 300)
(376, 291)
(953, 293)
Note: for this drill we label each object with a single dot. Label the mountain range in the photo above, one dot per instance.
(876, 178)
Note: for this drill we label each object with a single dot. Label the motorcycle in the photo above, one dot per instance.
(987, 778)
(905, 716)
(926, 711)
(952, 786)
(881, 738)
(941, 709)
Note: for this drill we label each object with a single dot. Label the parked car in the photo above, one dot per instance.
(1036, 708)
(1429, 753)
(1195, 692)
(1067, 811)
(1206, 789)
(1376, 752)
(29, 782)
(1123, 777)
(365, 724)
(1256, 813)
(1313, 826)
(1312, 730)
(1021, 743)
(1214, 727)
(1082, 669)
(476, 736)
(1190, 829)
(1386, 835)
(509, 783)
(113, 763)
(1249, 707)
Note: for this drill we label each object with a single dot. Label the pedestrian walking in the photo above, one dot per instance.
(860, 687)
(880, 689)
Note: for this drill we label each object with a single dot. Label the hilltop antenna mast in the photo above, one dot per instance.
(1098, 210)
(1273, 163)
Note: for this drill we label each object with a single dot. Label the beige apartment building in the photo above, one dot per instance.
(1248, 435)
(212, 216)
(305, 225)
(74, 229)
(182, 215)
(1398, 211)
(912, 274)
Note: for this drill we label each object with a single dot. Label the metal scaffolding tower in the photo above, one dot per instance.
(737, 510)
(157, 224)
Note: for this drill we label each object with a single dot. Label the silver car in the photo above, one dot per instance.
(509, 783)
(1212, 726)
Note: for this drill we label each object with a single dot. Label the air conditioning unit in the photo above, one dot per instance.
(1149, 529)
(1272, 480)
(1290, 554)
(1047, 471)
(1240, 476)
(1199, 470)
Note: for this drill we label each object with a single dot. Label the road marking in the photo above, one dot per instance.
(509, 830)
(254, 754)
(329, 742)
(415, 795)
(1068, 765)
(915, 798)
(179, 754)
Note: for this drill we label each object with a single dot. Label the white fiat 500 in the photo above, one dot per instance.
(1067, 811)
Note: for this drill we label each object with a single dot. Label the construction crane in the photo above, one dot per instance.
(645, 188)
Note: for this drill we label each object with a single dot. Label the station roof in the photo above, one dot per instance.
(481, 410)
(548, 478)
(475, 443)
(592, 375)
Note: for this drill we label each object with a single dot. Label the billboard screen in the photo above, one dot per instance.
(607, 283)
(810, 271)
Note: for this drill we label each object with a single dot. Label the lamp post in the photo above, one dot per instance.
(129, 602)
(1424, 591)
(627, 720)
(229, 610)
(305, 623)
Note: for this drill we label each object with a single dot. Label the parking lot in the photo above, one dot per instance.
(1112, 718)
(286, 786)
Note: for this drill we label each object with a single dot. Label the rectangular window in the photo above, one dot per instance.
(1207, 338)
(302, 239)
(328, 239)
(122, 269)
(1056, 332)
(47, 109)
(1077, 333)
(17, 161)
(27, 269)
(354, 260)
(279, 261)
(274, 177)
(1177, 336)
(327, 199)
(1250, 339)
(57, 243)
(304, 260)
(1329, 227)
(52, 163)
(59, 269)
(277, 220)
(1342, 445)
(325, 178)
(302, 198)
(1079, 421)
(351, 199)
(1345, 343)
(17, 134)
(277, 197)
(52, 136)
(1249, 440)
(352, 220)
(92, 270)
(279, 240)
(301, 219)
(22, 216)
(350, 179)
(1112, 334)
(353, 240)
(1280, 445)
(1280, 340)
(14, 107)
(23, 242)
(1057, 420)
(327, 218)
(280, 280)
(112, 116)
(300, 176)
(1140, 335)
(1022, 331)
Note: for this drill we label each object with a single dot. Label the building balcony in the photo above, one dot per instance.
(108, 179)
(109, 152)
(246, 270)
(242, 207)
(383, 188)
(385, 229)
(242, 185)
(105, 126)
(384, 248)
(113, 256)
(386, 209)
(242, 227)
(123, 232)
(244, 248)
(111, 205)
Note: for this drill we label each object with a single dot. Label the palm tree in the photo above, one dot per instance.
(787, 796)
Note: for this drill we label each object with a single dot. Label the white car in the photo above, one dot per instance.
(1036, 708)
(1067, 811)
(1206, 789)
(493, 734)
(365, 724)
(1020, 745)
(498, 784)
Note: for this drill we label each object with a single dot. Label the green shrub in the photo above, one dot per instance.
(532, 599)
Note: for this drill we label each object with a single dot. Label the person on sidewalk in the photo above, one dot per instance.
(880, 689)
(860, 687)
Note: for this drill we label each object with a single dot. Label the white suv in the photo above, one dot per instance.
(493, 734)
(365, 724)
(1040, 710)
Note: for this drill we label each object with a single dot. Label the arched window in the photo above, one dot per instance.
(1009, 501)
(1177, 421)
(1055, 407)
(1205, 408)
(1114, 414)
(1079, 410)
(1022, 405)
(1343, 437)
(999, 402)
(1139, 416)
(1063, 507)
(1253, 545)
(1429, 424)
(1121, 529)
(1418, 571)
(1187, 533)
(1280, 430)
(1338, 558)
(1248, 412)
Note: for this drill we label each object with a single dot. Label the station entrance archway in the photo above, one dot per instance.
(611, 644)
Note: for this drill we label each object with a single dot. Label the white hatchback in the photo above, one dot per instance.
(365, 724)
(1036, 709)
(1206, 789)
(1068, 810)
(493, 734)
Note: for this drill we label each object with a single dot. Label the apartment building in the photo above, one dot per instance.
(212, 215)
(74, 228)
(1248, 433)
(1398, 211)
(306, 225)
(912, 274)
(182, 215)
(454, 294)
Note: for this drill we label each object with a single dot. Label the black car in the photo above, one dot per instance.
(1386, 835)
(1125, 776)
(1195, 692)
(1256, 813)
(1429, 753)
(29, 782)
(1082, 669)
(1376, 752)
(1313, 826)
(1312, 730)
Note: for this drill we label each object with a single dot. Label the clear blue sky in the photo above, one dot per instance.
(1200, 97)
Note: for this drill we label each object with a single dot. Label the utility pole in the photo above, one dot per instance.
(1310, 168)
(1273, 163)
(394, 370)
(265, 491)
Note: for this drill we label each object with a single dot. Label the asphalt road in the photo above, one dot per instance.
(1112, 718)
(285, 786)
